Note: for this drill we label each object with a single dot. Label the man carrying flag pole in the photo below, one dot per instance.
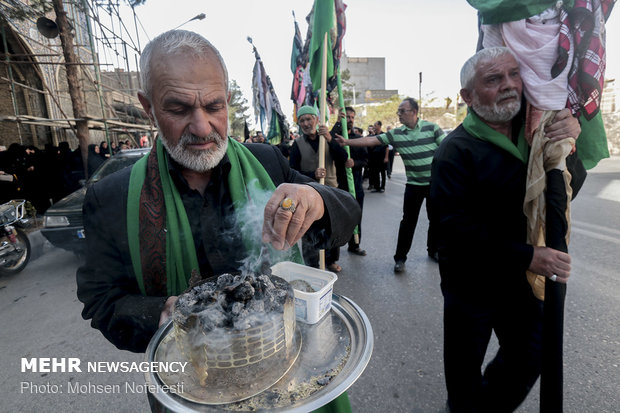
(328, 28)
(321, 66)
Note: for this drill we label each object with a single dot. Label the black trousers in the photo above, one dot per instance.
(376, 177)
(414, 196)
(358, 180)
(515, 315)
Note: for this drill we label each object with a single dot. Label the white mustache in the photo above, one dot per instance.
(506, 95)
(190, 138)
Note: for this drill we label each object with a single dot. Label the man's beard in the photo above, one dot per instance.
(498, 113)
(195, 160)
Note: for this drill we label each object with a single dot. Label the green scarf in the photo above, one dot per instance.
(478, 129)
(161, 245)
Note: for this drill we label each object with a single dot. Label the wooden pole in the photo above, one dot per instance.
(323, 104)
(73, 81)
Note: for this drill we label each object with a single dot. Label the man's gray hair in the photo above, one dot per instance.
(468, 72)
(175, 42)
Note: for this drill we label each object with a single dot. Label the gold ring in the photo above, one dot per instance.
(288, 204)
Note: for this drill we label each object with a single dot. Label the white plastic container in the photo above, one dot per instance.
(309, 307)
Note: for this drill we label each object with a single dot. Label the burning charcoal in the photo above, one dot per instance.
(243, 292)
(225, 280)
(237, 308)
(266, 281)
(239, 316)
(256, 306)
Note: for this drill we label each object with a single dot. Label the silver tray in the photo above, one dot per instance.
(334, 352)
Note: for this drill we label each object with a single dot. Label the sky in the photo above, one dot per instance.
(432, 37)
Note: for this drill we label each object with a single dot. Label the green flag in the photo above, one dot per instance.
(275, 134)
(323, 21)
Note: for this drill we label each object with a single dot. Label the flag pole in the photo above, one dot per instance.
(323, 101)
(345, 134)
(323, 98)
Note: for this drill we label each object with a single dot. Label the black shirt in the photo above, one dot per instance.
(210, 214)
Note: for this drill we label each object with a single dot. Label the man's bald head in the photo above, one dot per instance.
(176, 42)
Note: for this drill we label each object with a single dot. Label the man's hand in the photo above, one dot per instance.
(323, 131)
(349, 163)
(283, 228)
(167, 311)
(549, 262)
(563, 126)
(341, 141)
(320, 173)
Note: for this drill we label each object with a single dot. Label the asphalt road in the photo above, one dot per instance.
(40, 317)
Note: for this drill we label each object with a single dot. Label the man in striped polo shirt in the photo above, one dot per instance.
(416, 141)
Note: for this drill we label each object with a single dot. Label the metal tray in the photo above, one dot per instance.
(334, 353)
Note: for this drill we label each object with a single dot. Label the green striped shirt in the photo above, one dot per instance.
(416, 148)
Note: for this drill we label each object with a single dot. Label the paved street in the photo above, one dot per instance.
(40, 317)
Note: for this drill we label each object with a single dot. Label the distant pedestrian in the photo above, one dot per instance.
(416, 141)
(377, 162)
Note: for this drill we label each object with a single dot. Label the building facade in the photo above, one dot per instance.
(35, 105)
(367, 76)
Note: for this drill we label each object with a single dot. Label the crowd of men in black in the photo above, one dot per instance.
(45, 176)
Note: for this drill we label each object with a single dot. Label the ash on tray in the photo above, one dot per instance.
(295, 391)
(232, 301)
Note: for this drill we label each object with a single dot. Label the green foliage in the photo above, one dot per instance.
(385, 112)
(368, 114)
(237, 109)
(347, 90)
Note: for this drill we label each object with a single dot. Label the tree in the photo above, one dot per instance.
(237, 109)
(385, 112)
(73, 81)
(347, 89)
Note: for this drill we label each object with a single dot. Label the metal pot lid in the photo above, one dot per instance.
(334, 353)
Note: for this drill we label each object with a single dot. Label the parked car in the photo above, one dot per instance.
(62, 223)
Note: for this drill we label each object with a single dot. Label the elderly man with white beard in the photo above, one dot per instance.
(477, 193)
(178, 209)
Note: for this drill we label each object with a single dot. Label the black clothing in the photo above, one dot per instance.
(412, 203)
(94, 160)
(477, 192)
(377, 167)
(360, 159)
